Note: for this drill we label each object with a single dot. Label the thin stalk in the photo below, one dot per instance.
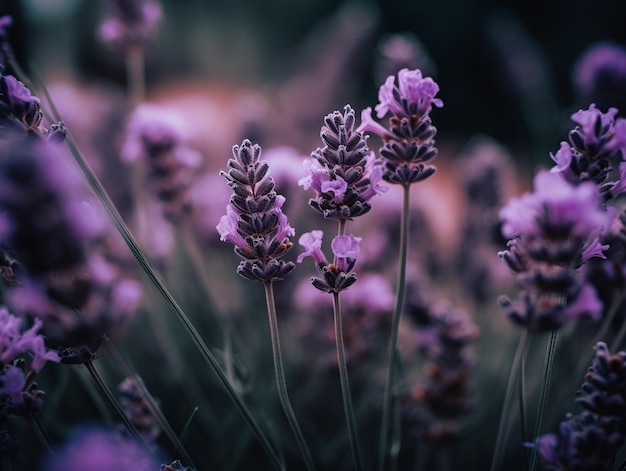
(345, 386)
(522, 405)
(136, 77)
(208, 356)
(113, 400)
(184, 433)
(155, 410)
(395, 325)
(280, 377)
(543, 395)
(509, 397)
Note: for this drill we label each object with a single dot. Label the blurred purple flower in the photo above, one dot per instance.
(336, 276)
(553, 232)
(555, 206)
(16, 102)
(599, 75)
(98, 449)
(130, 24)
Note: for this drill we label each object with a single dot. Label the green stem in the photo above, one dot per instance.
(208, 356)
(509, 396)
(395, 325)
(345, 386)
(543, 395)
(155, 410)
(95, 374)
(280, 377)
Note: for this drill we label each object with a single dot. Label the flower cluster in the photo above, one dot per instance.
(48, 224)
(344, 174)
(138, 410)
(591, 439)
(336, 276)
(19, 395)
(130, 24)
(599, 75)
(552, 232)
(156, 136)
(409, 141)
(17, 105)
(443, 334)
(254, 222)
(595, 145)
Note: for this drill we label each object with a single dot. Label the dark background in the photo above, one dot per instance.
(472, 43)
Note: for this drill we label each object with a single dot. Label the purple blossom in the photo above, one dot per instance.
(254, 222)
(413, 95)
(227, 228)
(346, 250)
(555, 205)
(595, 145)
(336, 276)
(599, 75)
(16, 102)
(312, 243)
(98, 449)
(14, 342)
(130, 23)
(409, 139)
(553, 231)
(344, 174)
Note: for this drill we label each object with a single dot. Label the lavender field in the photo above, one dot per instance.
(325, 236)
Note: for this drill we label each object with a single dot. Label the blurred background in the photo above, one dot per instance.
(505, 68)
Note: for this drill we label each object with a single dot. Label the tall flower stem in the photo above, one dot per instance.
(95, 374)
(207, 354)
(507, 406)
(543, 395)
(395, 325)
(281, 383)
(345, 385)
(42, 436)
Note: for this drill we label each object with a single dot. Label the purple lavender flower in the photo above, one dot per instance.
(344, 174)
(130, 24)
(51, 228)
(98, 449)
(157, 136)
(17, 103)
(599, 75)
(5, 49)
(409, 141)
(434, 406)
(337, 276)
(591, 439)
(553, 231)
(595, 145)
(254, 222)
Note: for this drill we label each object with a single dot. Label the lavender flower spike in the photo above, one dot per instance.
(344, 174)
(552, 232)
(409, 139)
(336, 276)
(254, 222)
